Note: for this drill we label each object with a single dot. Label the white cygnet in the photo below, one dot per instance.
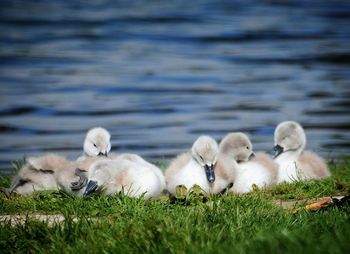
(249, 169)
(128, 174)
(97, 143)
(194, 168)
(294, 163)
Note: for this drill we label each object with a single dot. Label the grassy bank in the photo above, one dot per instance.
(250, 223)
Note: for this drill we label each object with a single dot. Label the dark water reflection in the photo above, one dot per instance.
(157, 73)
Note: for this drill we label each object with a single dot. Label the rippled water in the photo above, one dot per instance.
(157, 74)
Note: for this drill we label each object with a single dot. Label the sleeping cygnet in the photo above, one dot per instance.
(250, 169)
(38, 173)
(50, 172)
(294, 163)
(97, 143)
(194, 168)
(127, 174)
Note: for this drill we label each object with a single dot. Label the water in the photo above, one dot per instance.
(157, 74)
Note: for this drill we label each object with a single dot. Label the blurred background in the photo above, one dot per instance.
(157, 74)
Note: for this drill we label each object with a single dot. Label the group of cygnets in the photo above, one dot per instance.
(229, 166)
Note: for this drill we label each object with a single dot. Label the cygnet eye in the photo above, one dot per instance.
(247, 147)
(201, 157)
(95, 145)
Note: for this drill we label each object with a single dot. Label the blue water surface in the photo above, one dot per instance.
(157, 74)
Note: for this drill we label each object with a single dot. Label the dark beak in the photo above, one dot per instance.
(252, 156)
(91, 187)
(277, 150)
(209, 171)
(102, 154)
(18, 181)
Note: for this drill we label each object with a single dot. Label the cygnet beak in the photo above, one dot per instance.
(252, 156)
(102, 154)
(18, 181)
(277, 150)
(91, 187)
(209, 171)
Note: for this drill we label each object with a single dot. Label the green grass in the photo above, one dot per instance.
(218, 224)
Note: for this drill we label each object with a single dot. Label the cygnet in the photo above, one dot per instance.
(294, 163)
(249, 169)
(194, 168)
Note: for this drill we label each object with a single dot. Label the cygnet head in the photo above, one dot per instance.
(97, 142)
(237, 146)
(205, 151)
(289, 136)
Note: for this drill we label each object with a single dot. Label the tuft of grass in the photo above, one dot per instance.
(194, 223)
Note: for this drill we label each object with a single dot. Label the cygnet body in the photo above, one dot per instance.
(249, 169)
(294, 163)
(255, 172)
(195, 167)
(139, 160)
(128, 174)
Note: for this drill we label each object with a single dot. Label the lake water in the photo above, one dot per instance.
(157, 74)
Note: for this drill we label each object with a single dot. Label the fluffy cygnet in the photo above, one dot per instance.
(194, 168)
(49, 172)
(128, 174)
(38, 173)
(97, 143)
(249, 169)
(294, 163)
